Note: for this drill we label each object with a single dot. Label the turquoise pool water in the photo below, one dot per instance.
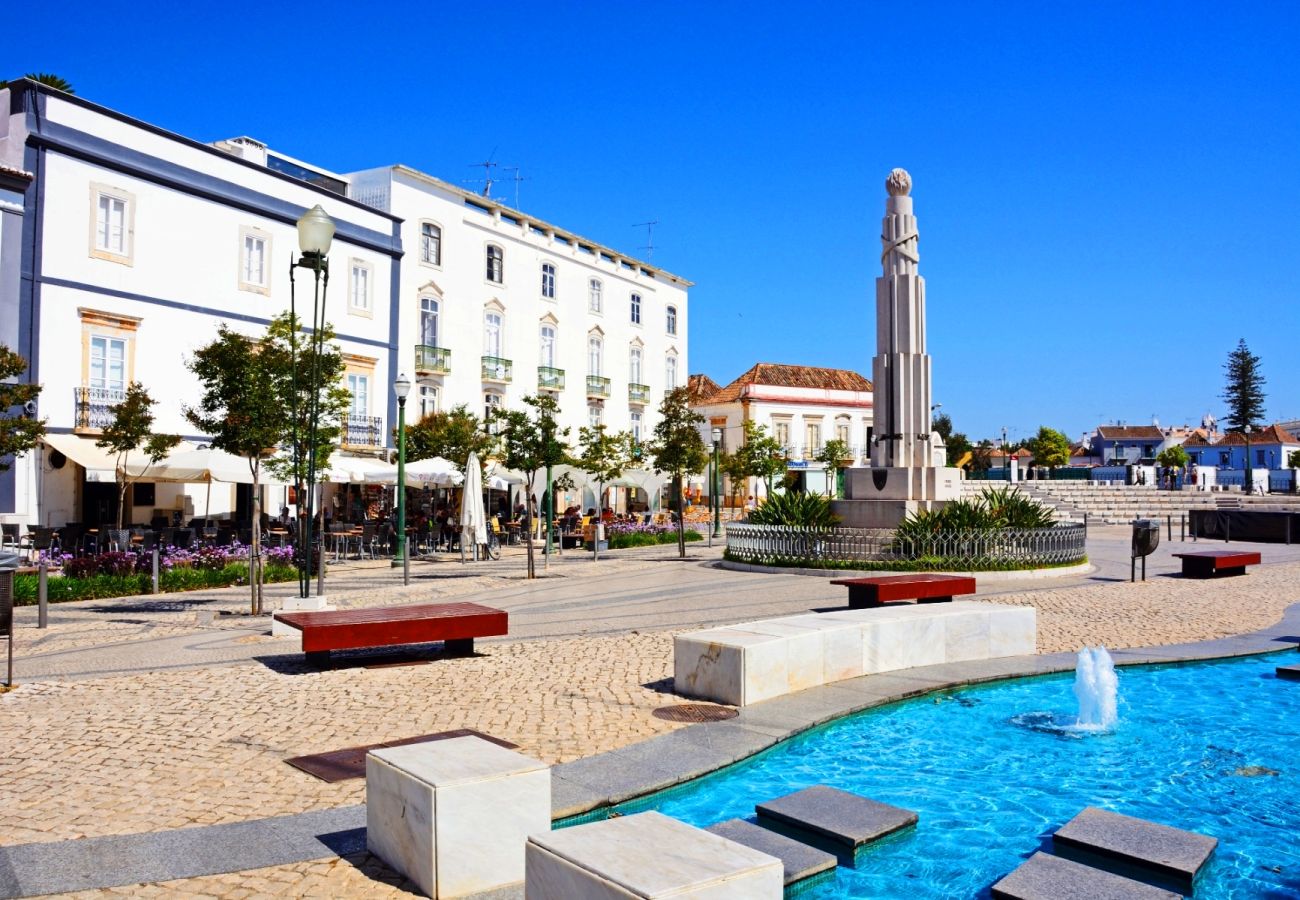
(1210, 747)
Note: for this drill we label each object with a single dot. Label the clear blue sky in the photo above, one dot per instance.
(1108, 195)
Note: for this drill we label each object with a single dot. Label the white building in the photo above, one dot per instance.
(803, 407)
(137, 243)
(496, 305)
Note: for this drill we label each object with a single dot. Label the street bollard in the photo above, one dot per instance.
(406, 568)
(1182, 528)
(155, 570)
(320, 576)
(1169, 528)
(43, 597)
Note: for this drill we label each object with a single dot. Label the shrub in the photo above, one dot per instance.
(794, 508)
(101, 585)
(1002, 507)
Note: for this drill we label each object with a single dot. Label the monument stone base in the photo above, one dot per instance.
(883, 497)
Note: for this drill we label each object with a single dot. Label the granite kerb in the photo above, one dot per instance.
(996, 576)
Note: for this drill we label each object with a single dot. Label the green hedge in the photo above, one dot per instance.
(646, 539)
(920, 564)
(62, 589)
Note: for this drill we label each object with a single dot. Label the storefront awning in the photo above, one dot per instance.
(100, 465)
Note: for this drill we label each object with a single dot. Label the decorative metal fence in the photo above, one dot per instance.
(999, 548)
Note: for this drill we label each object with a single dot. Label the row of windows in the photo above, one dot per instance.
(428, 403)
(812, 433)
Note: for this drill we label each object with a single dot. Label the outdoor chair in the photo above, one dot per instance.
(44, 540)
(182, 538)
(225, 537)
(148, 540)
(9, 535)
(367, 541)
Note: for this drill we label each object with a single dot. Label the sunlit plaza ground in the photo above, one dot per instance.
(143, 715)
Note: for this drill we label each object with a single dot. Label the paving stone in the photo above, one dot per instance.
(1170, 855)
(1047, 877)
(839, 816)
(1290, 673)
(799, 860)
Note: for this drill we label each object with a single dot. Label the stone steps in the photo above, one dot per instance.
(842, 820)
(1047, 877)
(798, 860)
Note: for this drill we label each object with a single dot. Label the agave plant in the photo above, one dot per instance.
(793, 508)
(1012, 509)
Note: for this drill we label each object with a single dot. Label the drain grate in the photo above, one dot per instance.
(340, 765)
(694, 712)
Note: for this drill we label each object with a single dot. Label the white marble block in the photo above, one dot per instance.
(647, 855)
(296, 604)
(804, 655)
(730, 666)
(841, 645)
(967, 636)
(1013, 631)
(454, 815)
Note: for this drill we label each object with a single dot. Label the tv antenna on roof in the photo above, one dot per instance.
(488, 166)
(649, 247)
(516, 178)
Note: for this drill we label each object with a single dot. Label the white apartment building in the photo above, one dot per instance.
(136, 244)
(496, 305)
(803, 407)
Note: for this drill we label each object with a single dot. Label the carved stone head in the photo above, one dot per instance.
(899, 183)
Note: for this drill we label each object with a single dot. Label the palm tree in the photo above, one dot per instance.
(47, 79)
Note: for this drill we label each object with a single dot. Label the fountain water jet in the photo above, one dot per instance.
(1096, 687)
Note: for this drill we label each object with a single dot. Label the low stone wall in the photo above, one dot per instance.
(755, 661)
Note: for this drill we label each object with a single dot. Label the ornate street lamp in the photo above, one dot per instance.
(315, 234)
(714, 481)
(401, 387)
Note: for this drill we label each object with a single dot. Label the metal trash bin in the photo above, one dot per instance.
(1146, 538)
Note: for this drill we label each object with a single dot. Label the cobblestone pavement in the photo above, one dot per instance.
(152, 750)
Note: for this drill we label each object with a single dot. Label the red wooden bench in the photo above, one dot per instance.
(456, 624)
(1212, 563)
(877, 590)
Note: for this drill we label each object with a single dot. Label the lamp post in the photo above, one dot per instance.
(315, 234)
(401, 387)
(1250, 486)
(714, 480)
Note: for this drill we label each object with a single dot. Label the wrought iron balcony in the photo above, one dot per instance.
(638, 393)
(497, 369)
(94, 406)
(364, 431)
(432, 360)
(549, 379)
(597, 386)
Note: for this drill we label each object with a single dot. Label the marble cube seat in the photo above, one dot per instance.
(755, 661)
(1159, 854)
(454, 815)
(647, 855)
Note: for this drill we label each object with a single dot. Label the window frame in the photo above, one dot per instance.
(353, 380)
(634, 308)
(435, 314)
(435, 263)
(356, 265)
(500, 268)
(670, 366)
(596, 296)
(547, 270)
(635, 354)
(500, 330)
(547, 346)
(108, 340)
(246, 234)
(125, 255)
(595, 354)
(670, 319)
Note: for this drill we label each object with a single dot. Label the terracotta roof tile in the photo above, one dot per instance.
(702, 387)
(1129, 432)
(778, 375)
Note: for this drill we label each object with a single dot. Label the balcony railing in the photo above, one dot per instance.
(549, 379)
(94, 406)
(597, 386)
(497, 369)
(432, 360)
(638, 393)
(364, 431)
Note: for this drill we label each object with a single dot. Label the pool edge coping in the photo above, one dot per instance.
(673, 758)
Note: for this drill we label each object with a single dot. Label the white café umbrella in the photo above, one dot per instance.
(473, 518)
(432, 472)
(202, 466)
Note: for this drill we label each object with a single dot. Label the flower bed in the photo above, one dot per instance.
(125, 573)
(623, 534)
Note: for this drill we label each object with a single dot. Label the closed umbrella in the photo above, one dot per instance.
(473, 518)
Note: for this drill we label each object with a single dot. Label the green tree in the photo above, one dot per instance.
(1244, 390)
(1173, 457)
(763, 456)
(242, 380)
(678, 449)
(1050, 448)
(831, 455)
(284, 340)
(530, 441)
(604, 456)
(453, 435)
(19, 431)
(132, 430)
(981, 459)
(1293, 459)
(732, 467)
(47, 79)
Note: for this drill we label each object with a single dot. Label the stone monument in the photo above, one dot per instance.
(908, 471)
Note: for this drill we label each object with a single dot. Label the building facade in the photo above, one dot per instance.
(137, 244)
(496, 305)
(803, 407)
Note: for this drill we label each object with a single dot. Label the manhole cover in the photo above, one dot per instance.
(694, 712)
